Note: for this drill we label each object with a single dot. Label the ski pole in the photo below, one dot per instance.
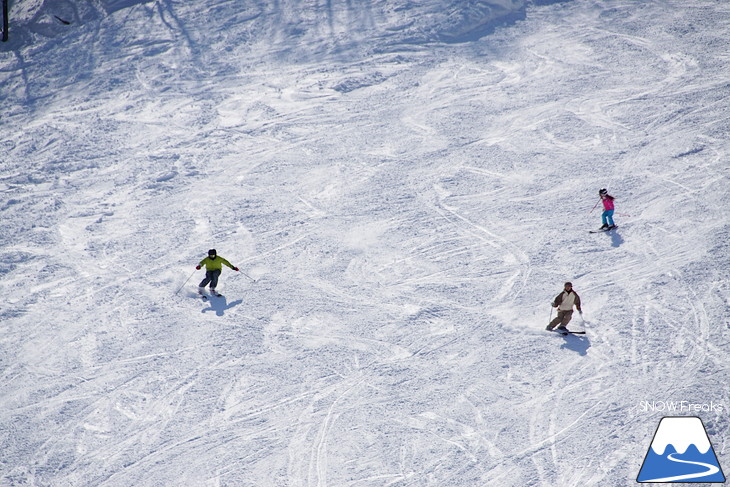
(551, 315)
(594, 206)
(186, 281)
(239, 270)
(254, 280)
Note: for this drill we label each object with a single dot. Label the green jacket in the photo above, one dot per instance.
(215, 264)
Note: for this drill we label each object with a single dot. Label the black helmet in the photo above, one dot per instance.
(603, 191)
(212, 253)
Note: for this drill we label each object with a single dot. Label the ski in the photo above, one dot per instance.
(205, 297)
(569, 332)
(602, 230)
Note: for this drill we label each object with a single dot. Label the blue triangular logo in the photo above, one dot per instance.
(681, 452)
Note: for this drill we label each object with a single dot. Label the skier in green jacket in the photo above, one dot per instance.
(213, 265)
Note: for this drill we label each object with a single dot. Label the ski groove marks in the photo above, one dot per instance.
(308, 448)
(321, 441)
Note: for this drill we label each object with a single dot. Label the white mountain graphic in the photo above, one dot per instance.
(681, 432)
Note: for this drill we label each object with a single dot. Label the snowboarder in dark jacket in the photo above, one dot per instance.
(565, 302)
(213, 265)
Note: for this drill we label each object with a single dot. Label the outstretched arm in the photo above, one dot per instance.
(229, 264)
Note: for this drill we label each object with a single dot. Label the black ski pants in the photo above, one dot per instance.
(210, 277)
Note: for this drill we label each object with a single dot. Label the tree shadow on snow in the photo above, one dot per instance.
(577, 343)
(220, 305)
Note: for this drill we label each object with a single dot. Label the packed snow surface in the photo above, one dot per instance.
(406, 186)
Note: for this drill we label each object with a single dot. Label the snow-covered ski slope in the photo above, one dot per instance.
(410, 183)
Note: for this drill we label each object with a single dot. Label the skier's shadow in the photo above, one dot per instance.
(577, 343)
(220, 305)
(616, 238)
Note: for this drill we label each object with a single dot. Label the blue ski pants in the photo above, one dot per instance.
(607, 217)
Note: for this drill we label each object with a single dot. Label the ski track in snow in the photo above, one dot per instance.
(409, 196)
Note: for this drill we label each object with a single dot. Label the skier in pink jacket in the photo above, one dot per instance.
(608, 207)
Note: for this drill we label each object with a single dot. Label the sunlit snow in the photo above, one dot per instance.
(406, 186)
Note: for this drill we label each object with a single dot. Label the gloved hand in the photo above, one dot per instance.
(197, 267)
(235, 269)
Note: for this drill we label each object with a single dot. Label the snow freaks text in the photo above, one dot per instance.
(680, 407)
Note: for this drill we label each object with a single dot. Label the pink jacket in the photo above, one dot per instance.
(607, 202)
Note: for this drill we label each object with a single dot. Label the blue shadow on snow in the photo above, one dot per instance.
(500, 17)
(616, 238)
(577, 343)
(220, 305)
